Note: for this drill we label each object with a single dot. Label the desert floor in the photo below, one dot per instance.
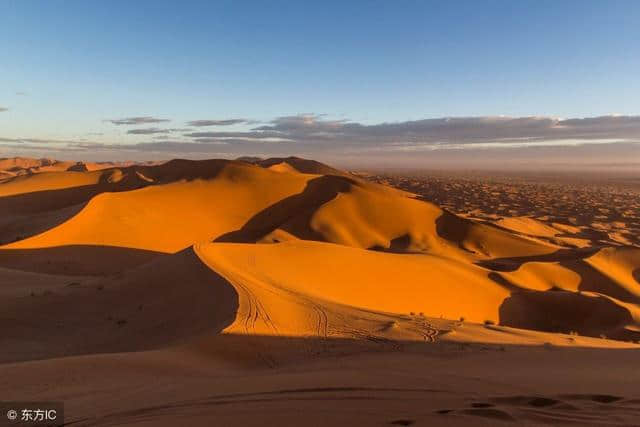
(285, 292)
(589, 208)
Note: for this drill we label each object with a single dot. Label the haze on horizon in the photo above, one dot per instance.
(496, 84)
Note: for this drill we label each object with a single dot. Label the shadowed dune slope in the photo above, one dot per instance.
(75, 260)
(164, 302)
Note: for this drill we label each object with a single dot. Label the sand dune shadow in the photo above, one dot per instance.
(165, 302)
(292, 213)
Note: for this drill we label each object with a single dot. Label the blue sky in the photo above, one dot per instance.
(66, 67)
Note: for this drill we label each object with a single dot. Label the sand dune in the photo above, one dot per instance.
(220, 199)
(267, 205)
(215, 267)
(17, 166)
(375, 238)
(585, 209)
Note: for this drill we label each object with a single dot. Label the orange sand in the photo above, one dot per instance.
(233, 290)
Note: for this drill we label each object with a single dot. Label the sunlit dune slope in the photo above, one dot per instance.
(403, 283)
(370, 280)
(189, 208)
(34, 203)
(621, 264)
(48, 182)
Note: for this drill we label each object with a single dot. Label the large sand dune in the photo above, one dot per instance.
(215, 269)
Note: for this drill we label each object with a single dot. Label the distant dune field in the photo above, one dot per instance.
(167, 294)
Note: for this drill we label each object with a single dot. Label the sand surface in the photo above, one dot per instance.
(286, 292)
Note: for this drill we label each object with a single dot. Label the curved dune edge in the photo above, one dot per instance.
(297, 289)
